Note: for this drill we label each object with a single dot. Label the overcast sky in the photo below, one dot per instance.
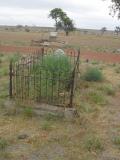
(85, 13)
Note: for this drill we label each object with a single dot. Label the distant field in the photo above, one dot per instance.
(107, 43)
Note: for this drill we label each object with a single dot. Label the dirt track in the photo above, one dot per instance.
(106, 57)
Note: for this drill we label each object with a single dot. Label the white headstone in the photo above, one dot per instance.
(59, 52)
(53, 34)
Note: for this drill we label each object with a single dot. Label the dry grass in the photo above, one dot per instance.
(87, 42)
(88, 137)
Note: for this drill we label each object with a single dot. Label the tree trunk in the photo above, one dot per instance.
(67, 33)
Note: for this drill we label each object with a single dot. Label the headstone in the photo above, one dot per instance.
(53, 36)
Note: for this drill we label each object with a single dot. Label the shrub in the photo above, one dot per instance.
(54, 64)
(54, 69)
(93, 74)
(27, 29)
(93, 143)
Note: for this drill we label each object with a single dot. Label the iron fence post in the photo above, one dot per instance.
(11, 77)
(73, 80)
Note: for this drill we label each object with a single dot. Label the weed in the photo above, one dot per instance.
(28, 112)
(93, 143)
(0, 60)
(3, 71)
(85, 107)
(15, 57)
(6, 155)
(96, 98)
(116, 140)
(95, 62)
(46, 126)
(93, 74)
(108, 89)
(53, 117)
(117, 69)
(3, 144)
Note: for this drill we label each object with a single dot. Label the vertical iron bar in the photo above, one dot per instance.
(40, 86)
(58, 87)
(52, 86)
(46, 84)
(72, 89)
(11, 76)
(73, 81)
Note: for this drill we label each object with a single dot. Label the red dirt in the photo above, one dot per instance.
(105, 57)
(18, 49)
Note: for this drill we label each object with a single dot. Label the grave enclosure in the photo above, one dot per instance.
(47, 76)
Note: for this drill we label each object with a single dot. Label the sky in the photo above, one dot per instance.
(89, 14)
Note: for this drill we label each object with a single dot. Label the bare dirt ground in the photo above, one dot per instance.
(105, 57)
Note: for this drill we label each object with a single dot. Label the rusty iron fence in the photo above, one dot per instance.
(34, 79)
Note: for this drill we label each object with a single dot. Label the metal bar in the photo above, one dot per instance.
(52, 86)
(73, 81)
(11, 77)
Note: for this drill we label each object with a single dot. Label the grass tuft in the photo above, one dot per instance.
(28, 112)
(3, 144)
(116, 140)
(93, 143)
(97, 98)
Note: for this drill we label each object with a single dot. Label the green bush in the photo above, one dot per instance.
(93, 74)
(55, 65)
(55, 70)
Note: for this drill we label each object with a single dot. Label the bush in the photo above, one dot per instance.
(27, 29)
(93, 74)
(55, 70)
(55, 65)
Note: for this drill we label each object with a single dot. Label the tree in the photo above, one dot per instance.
(62, 21)
(103, 30)
(115, 8)
(68, 25)
(57, 14)
(117, 30)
